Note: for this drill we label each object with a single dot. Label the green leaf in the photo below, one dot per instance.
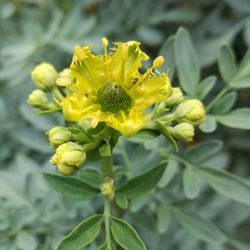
(199, 227)
(241, 83)
(169, 173)
(187, 63)
(162, 128)
(224, 104)
(71, 186)
(167, 51)
(227, 184)
(227, 63)
(238, 118)
(209, 125)
(205, 86)
(125, 235)
(146, 134)
(163, 217)
(49, 111)
(82, 235)
(121, 201)
(142, 184)
(191, 182)
(203, 151)
(242, 78)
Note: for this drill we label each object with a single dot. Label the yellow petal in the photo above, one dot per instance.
(128, 124)
(125, 62)
(152, 90)
(88, 69)
(78, 107)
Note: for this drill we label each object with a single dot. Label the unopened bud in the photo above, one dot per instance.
(58, 135)
(38, 99)
(175, 98)
(65, 78)
(68, 158)
(183, 132)
(44, 76)
(191, 111)
(108, 189)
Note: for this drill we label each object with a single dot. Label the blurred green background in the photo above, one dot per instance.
(32, 216)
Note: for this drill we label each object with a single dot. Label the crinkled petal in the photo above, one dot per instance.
(125, 61)
(79, 107)
(152, 90)
(88, 69)
(128, 124)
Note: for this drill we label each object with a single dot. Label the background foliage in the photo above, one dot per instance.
(33, 216)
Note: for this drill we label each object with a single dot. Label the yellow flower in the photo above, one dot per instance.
(111, 89)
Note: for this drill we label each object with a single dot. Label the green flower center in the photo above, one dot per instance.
(113, 98)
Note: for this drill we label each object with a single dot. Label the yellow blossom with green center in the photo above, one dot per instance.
(110, 88)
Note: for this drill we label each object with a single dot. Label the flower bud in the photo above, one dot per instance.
(38, 99)
(65, 78)
(175, 98)
(44, 76)
(58, 135)
(108, 189)
(68, 158)
(183, 132)
(191, 111)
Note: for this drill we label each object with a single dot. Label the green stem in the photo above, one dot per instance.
(57, 94)
(221, 93)
(107, 216)
(107, 167)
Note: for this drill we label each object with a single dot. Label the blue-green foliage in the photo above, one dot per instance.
(203, 196)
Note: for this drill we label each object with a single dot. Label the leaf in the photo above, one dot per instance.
(82, 235)
(162, 128)
(167, 51)
(125, 235)
(26, 241)
(49, 111)
(224, 104)
(169, 173)
(142, 184)
(241, 83)
(227, 63)
(199, 227)
(187, 63)
(209, 125)
(191, 182)
(238, 118)
(203, 151)
(163, 217)
(227, 184)
(121, 201)
(205, 86)
(71, 186)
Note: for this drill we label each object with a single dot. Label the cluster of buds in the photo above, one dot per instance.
(46, 78)
(69, 155)
(183, 115)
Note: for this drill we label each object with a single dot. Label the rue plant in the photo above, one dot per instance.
(101, 98)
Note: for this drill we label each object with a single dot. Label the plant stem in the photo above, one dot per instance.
(221, 93)
(107, 167)
(107, 222)
(107, 173)
(57, 94)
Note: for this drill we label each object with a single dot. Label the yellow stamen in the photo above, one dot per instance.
(158, 61)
